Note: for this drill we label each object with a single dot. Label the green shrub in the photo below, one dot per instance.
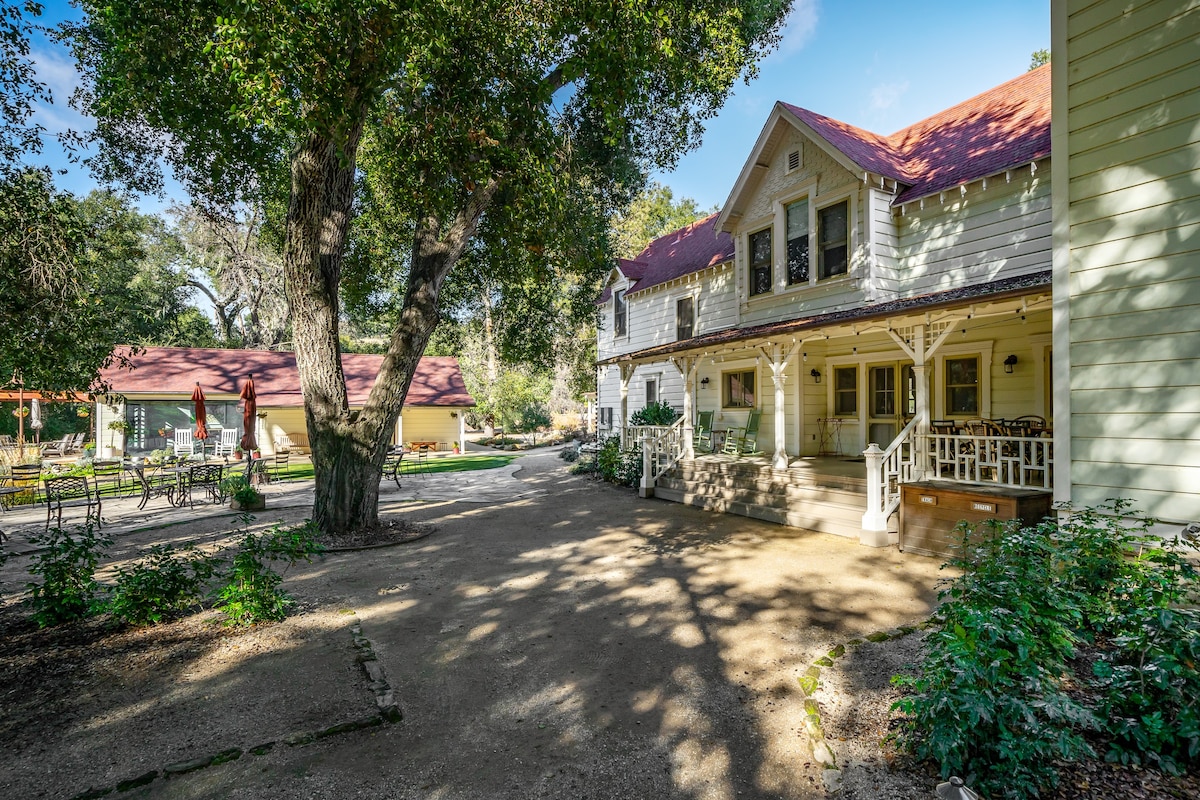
(67, 567)
(251, 592)
(162, 584)
(236, 486)
(654, 414)
(990, 702)
(617, 466)
(569, 454)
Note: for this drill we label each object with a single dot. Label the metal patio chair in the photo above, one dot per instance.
(74, 491)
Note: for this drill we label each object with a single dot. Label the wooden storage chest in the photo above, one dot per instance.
(930, 510)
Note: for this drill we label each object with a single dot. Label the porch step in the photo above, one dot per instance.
(825, 503)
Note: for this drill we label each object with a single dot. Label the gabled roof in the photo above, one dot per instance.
(1004, 127)
(950, 298)
(692, 248)
(176, 370)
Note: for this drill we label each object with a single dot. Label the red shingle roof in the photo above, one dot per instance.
(692, 248)
(175, 370)
(1004, 127)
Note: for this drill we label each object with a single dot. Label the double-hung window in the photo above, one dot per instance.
(797, 242)
(833, 240)
(620, 313)
(845, 391)
(962, 386)
(737, 389)
(760, 262)
(685, 318)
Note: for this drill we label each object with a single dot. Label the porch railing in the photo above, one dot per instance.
(662, 447)
(1020, 462)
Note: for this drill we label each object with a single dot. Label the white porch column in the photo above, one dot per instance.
(687, 370)
(626, 375)
(779, 359)
(874, 521)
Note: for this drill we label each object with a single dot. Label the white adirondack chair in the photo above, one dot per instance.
(184, 446)
(227, 443)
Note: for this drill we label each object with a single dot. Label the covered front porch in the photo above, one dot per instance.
(858, 404)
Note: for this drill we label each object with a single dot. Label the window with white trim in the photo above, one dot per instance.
(620, 313)
(737, 389)
(962, 386)
(797, 242)
(760, 262)
(833, 240)
(651, 391)
(845, 391)
(685, 318)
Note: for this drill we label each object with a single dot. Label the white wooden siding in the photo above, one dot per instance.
(1132, 130)
(885, 244)
(985, 235)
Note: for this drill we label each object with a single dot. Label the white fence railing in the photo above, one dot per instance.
(1020, 462)
(662, 447)
(1023, 462)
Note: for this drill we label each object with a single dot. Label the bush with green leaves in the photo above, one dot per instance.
(163, 584)
(654, 414)
(250, 592)
(618, 466)
(66, 564)
(991, 700)
(989, 704)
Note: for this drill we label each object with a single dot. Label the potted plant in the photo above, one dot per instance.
(118, 427)
(242, 496)
(456, 448)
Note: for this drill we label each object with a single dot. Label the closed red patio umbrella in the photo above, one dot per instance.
(201, 417)
(249, 415)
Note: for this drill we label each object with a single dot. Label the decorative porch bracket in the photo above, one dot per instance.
(778, 358)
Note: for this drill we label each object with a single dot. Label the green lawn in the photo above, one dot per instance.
(460, 463)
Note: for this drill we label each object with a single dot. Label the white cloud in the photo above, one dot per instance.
(885, 95)
(800, 26)
(58, 73)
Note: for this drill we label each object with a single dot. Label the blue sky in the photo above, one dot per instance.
(877, 65)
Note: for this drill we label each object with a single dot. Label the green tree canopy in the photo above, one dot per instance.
(653, 213)
(510, 124)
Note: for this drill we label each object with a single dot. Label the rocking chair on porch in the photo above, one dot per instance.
(744, 441)
(702, 433)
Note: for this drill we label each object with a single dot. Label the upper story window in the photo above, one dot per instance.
(833, 236)
(760, 262)
(685, 318)
(797, 242)
(620, 313)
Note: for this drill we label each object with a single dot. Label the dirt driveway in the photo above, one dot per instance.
(571, 642)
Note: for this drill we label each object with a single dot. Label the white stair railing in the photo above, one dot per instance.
(886, 471)
(662, 447)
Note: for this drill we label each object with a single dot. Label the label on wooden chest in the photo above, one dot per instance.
(929, 499)
(988, 507)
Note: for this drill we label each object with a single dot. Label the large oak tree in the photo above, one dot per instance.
(528, 111)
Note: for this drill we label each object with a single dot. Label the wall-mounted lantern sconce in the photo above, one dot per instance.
(454, 414)
(1009, 363)
(704, 383)
(816, 376)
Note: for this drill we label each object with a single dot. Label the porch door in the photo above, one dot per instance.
(891, 400)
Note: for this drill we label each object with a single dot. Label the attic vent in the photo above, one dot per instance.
(793, 161)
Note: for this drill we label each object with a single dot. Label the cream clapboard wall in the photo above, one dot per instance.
(1133, 135)
(955, 240)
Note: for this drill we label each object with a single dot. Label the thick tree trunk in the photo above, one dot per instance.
(348, 448)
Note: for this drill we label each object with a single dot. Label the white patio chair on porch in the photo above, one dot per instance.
(227, 443)
(184, 444)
